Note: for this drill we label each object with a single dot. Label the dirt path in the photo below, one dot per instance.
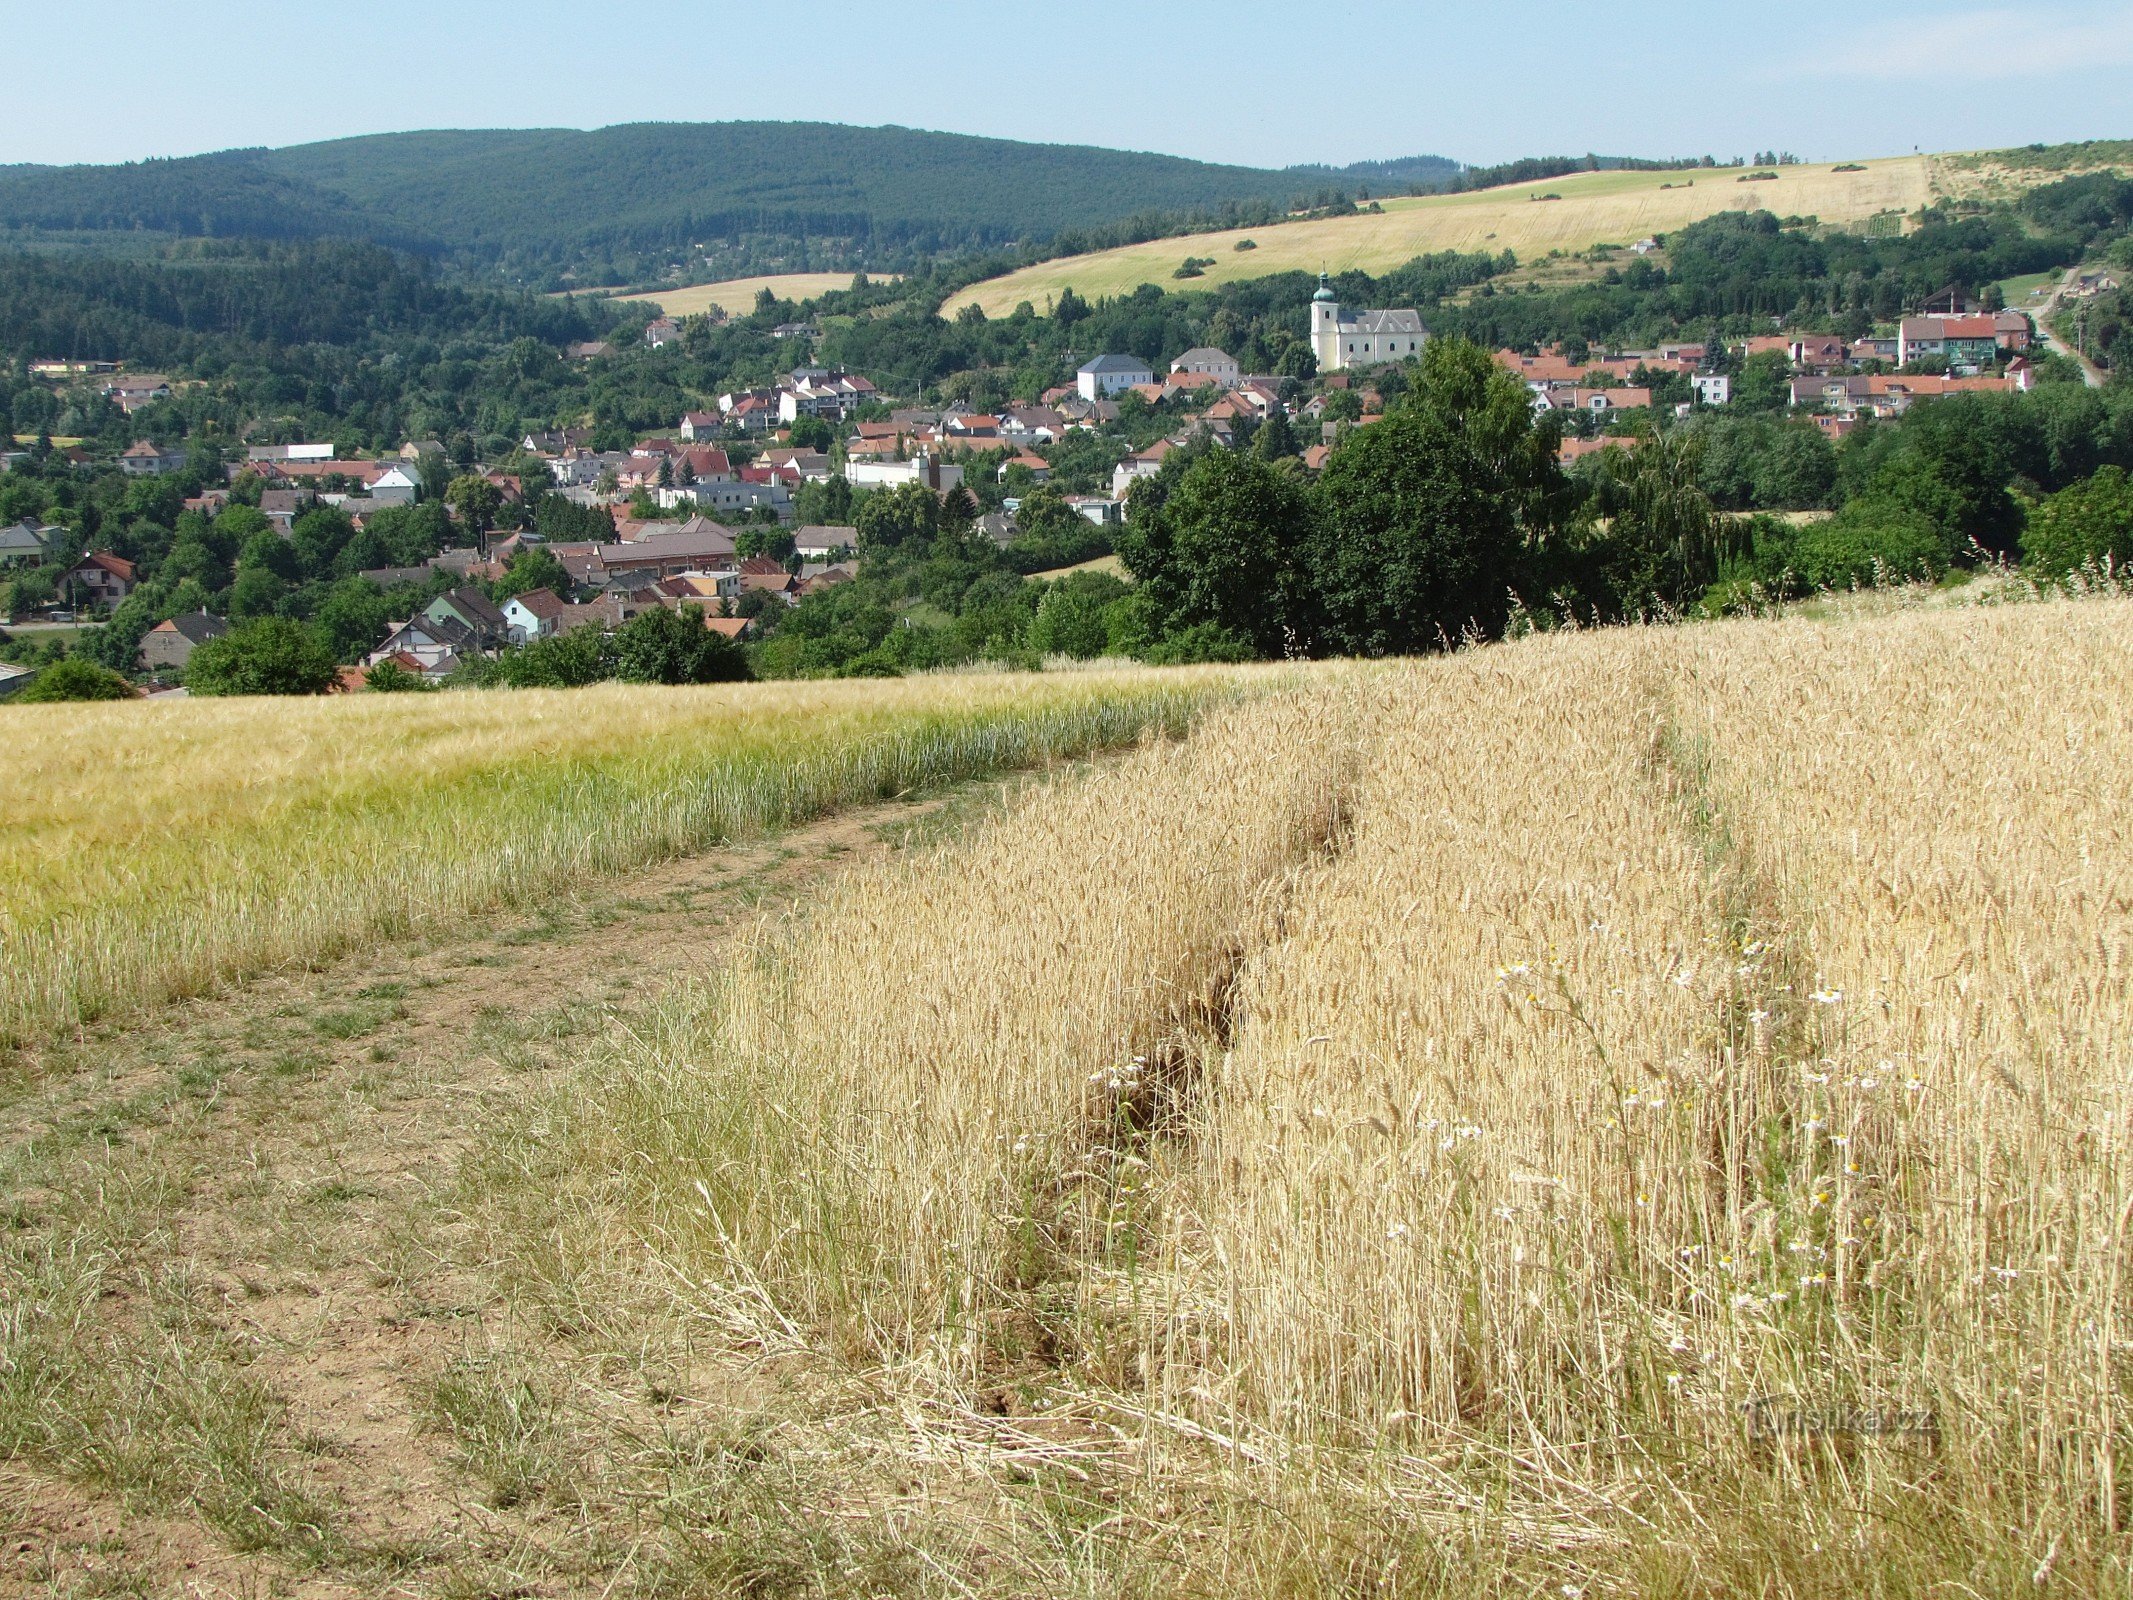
(249, 1276)
(2092, 374)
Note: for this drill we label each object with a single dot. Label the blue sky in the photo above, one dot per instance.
(1225, 80)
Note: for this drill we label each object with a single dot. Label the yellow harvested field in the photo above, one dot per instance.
(154, 851)
(736, 296)
(1616, 208)
(1656, 1095)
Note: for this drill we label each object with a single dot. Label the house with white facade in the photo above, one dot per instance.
(1342, 338)
(1209, 363)
(1106, 376)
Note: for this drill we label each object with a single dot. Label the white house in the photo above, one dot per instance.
(1210, 363)
(1109, 375)
(1712, 388)
(533, 615)
(1341, 338)
(939, 476)
(396, 486)
(822, 543)
(1097, 508)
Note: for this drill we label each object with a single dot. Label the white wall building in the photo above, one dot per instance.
(939, 476)
(1210, 363)
(1109, 375)
(1341, 338)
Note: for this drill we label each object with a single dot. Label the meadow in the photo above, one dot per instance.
(157, 851)
(1639, 1112)
(1593, 208)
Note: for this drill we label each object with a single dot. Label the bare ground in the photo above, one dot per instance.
(279, 1353)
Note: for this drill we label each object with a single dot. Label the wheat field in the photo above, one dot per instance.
(1635, 1112)
(157, 851)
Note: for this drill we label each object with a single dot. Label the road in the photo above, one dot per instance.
(2089, 370)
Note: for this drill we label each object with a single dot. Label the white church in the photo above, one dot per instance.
(1342, 338)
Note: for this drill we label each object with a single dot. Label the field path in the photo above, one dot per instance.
(264, 1194)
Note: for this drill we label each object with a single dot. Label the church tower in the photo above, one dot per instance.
(1326, 327)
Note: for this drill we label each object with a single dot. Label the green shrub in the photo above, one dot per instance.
(74, 679)
(270, 656)
(1871, 541)
(2085, 525)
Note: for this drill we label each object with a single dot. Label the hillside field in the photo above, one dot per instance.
(736, 297)
(1595, 208)
(1624, 1112)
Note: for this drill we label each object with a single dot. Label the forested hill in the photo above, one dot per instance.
(541, 199)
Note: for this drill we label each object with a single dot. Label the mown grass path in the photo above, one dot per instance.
(257, 1342)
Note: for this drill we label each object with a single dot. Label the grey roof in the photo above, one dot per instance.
(198, 626)
(1205, 355)
(475, 606)
(25, 535)
(1103, 364)
(1382, 322)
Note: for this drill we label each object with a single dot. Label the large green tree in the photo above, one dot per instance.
(667, 645)
(270, 656)
(1225, 546)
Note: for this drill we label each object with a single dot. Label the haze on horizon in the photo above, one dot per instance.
(1219, 80)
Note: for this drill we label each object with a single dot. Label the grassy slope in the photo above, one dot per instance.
(1596, 208)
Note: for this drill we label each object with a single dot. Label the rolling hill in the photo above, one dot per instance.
(1568, 213)
(552, 197)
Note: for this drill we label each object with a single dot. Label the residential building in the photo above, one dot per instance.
(396, 485)
(473, 611)
(816, 543)
(1712, 388)
(700, 424)
(937, 475)
(662, 330)
(1210, 363)
(26, 544)
(98, 578)
(1962, 341)
(145, 459)
(1136, 467)
(1100, 509)
(169, 645)
(131, 393)
(1106, 376)
(1341, 338)
(533, 615)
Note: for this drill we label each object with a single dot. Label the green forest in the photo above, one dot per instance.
(619, 204)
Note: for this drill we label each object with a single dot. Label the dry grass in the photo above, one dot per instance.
(1640, 1110)
(736, 296)
(153, 851)
(1615, 208)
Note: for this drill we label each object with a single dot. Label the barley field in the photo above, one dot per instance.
(156, 851)
(1594, 208)
(1620, 1113)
